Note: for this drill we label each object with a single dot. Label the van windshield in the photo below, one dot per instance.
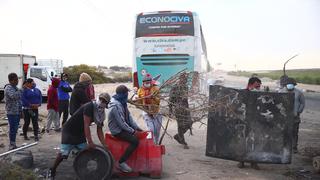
(38, 73)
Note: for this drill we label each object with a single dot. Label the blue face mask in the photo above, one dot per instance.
(290, 86)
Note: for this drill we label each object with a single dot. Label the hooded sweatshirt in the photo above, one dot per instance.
(53, 102)
(117, 120)
(80, 95)
(31, 96)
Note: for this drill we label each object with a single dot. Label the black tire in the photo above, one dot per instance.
(93, 164)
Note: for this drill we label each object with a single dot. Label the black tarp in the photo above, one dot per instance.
(250, 126)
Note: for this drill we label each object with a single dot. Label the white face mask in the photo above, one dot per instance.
(147, 85)
(290, 86)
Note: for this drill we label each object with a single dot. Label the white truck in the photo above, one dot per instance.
(56, 64)
(25, 66)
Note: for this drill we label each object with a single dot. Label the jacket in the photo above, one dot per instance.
(117, 121)
(53, 102)
(63, 90)
(12, 97)
(31, 96)
(81, 94)
(299, 102)
(152, 105)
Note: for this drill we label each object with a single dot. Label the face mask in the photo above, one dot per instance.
(290, 86)
(33, 85)
(147, 85)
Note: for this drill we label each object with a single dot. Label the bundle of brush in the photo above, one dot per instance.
(180, 98)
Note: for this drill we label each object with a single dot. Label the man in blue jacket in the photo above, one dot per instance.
(31, 101)
(122, 125)
(63, 95)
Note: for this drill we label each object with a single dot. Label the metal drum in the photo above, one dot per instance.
(94, 164)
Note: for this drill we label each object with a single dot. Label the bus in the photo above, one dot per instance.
(167, 42)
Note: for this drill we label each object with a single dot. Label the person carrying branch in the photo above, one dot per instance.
(179, 108)
(148, 97)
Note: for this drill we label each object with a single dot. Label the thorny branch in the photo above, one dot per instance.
(186, 86)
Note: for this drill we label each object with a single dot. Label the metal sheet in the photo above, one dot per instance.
(250, 126)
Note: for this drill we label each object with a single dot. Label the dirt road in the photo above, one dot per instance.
(192, 164)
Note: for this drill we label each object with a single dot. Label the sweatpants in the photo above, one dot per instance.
(64, 109)
(133, 144)
(53, 117)
(154, 124)
(33, 115)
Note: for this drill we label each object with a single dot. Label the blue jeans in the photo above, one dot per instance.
(14, 125)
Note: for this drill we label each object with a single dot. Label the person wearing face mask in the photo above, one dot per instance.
(31, 101)
(122, 125)
(254, 84)
(148, 97)
(76, 131)
(63, 95)
(299, 104)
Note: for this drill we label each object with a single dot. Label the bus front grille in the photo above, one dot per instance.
(165, 59)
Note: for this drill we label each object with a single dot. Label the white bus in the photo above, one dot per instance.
(167, 42)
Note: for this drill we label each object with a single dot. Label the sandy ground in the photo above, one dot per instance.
(191, 164)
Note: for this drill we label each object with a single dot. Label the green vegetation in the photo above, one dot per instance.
(306, 76)
(96, 74)
(75, 71)
(13, 172)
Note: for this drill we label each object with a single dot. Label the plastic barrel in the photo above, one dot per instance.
(93, 164)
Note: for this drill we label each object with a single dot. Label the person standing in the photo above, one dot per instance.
(148, 96)
(254, 84)
(53, 106)
(122, 125)
(299, 104)
(63, 95)
(179, 107)
(83, 92)
(13, 107)
(76, 133)
(31, 101)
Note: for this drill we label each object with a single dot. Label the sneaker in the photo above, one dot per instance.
(51, 174)
(186, 146)
(177, 138)
(240, 165)
(36, 138)
(125, 168)
(47, 131)
(295, 151)
(26, 138)
(255, 166)
(58, 130)
(12, 146)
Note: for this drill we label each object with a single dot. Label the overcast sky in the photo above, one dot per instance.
(246, 34)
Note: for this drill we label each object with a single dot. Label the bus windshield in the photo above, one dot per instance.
(164, 24)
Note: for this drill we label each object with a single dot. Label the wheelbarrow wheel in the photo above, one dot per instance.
(93, 164)
(316, 164)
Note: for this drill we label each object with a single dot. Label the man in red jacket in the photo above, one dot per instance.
(53, 106)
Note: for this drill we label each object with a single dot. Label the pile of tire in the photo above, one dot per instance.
(93, 164)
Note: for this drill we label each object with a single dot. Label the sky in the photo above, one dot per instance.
(240, 35)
